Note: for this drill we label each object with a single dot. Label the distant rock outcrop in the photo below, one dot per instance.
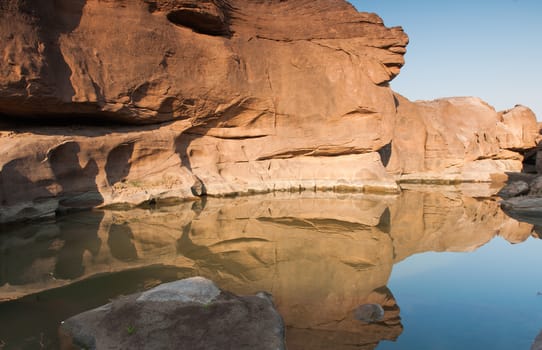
(459, 139)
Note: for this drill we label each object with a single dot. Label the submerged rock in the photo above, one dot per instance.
(187, 314)
(523, 201)
(535, 187)
(514, 189)
(369, 313)
(537, 343)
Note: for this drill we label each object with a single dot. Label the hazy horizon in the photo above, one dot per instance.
(487, 49)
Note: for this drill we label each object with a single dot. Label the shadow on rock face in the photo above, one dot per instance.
(118, 163)
(202, 16)
(15, 188)
(54, 19)
(78, 183)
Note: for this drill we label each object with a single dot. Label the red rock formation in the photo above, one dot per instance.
(224, 97)
(156, 60)
(458, 139)
(266, 101)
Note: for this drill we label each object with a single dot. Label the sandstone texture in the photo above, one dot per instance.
(256, 100)
(156, 60)
(186, 314)
(459, 139)
(128, 102)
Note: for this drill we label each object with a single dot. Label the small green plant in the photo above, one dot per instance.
(135, 183)
(130, 330)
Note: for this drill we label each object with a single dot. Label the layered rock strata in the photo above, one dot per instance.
(220, 98)
(459, 139)
(155, 60)
(261, 101)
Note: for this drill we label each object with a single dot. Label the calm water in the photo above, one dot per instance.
(451, 271)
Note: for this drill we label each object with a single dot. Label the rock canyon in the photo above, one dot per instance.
(127, 102)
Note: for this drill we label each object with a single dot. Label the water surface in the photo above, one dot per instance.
(451, 271)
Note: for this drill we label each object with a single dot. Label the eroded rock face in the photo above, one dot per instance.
(459, 139)
(225, 97)
(518, 128)
(155, 60)
(262, 100)
(64, 168)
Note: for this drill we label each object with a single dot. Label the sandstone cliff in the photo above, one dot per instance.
(106, 102)
(155, 60)
(459, 139)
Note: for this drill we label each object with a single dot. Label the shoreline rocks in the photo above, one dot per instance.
(186, 314)
(522, 200)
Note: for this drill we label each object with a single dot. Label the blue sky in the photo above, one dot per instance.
(489, 49)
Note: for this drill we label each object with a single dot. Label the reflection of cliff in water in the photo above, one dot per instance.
(320, 255)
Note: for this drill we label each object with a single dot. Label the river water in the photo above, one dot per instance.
(451, 271)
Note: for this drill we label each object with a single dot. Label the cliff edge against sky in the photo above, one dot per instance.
(106, 102)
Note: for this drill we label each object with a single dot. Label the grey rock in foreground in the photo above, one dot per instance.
(535, 187)
(523, 200)
(514, 189)
(369, 313)
(187, 314)
(524, 208)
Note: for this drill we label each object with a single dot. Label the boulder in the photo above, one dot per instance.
(517, 128)
(186, 314)
(514, 189)
(524, 205)
(525, 208)
(535, 187)
(537, 343)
